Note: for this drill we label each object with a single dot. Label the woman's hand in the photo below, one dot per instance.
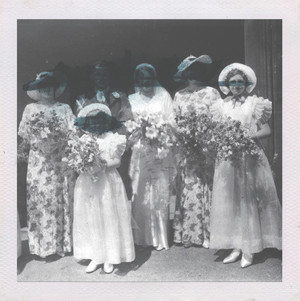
(263, 132)
(134, 138)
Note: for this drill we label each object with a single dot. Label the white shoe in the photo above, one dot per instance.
(205, 244)
(108, 267)
(92, 267)
(233, 257)
(245, 262)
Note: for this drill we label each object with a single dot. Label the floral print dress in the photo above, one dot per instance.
(50, 188)
(192, 214)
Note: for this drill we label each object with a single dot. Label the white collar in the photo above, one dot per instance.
(101, 95)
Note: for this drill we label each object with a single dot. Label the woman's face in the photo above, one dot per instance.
(48, 92)
(237, 84)
(145, 81)
(98, 123)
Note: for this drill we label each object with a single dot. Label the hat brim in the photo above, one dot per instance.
(204, 59)
(94, 107)
(249, 73)
(32, 87)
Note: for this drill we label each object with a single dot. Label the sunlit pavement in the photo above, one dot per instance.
(176, 264)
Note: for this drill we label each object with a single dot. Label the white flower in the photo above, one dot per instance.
(162, 153)
(46, 129)
(43, 134)
(130, 125)
(115, 94)
(78, 160)
(151, 132)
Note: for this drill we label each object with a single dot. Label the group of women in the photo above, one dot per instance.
(241, 211)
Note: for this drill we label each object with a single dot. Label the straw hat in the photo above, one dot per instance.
(46, 79)
(204, 59)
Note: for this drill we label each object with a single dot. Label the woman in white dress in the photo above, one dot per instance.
(151, 177)
(102, 219)
(246, 212)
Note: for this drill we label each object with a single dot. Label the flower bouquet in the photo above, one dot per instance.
(83, 155)
(46, 131)
(153, 130)
(233, 141)
(194, 134)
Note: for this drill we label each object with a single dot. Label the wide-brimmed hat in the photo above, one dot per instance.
(46, 79)
(246, 70)
(204, 59)
(102, 117)
(94, 107)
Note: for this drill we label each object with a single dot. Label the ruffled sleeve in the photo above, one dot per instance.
(262, 109)
(24, 124)
(216, 109)
(211, 96)
(116, 145)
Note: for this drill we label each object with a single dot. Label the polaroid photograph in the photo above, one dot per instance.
(150, 151)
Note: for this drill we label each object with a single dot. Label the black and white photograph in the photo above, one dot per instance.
(151, 151)
(150, 159)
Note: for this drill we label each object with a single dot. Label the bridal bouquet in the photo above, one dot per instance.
(46, 131)
(194, 134)
(83, 155)
(233, 142)
(153, 130)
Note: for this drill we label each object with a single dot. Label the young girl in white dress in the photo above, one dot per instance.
(102, 219)
(246, 212)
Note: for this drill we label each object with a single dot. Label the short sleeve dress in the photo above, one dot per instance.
(191, 220)
(102, 219)
(50, 189)
(246, 212)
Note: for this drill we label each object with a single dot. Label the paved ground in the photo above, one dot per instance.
(176, 264)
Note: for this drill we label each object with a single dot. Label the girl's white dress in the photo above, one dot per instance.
(102, 219)
(151, 177)
(245, 212)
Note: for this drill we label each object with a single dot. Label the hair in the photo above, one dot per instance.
(197, 71)
(236, 72)
(101, 64)
(146, 68)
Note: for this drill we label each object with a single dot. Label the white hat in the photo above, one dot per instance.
(204, 59)
(94, 107)
(249, 73)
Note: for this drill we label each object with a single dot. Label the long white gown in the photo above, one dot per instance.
(151, 178)
(246, 212)
(102, 220)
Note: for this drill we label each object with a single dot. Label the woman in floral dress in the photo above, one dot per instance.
(50, 186)
(151, 176)
(191, 221)
(246, 212)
